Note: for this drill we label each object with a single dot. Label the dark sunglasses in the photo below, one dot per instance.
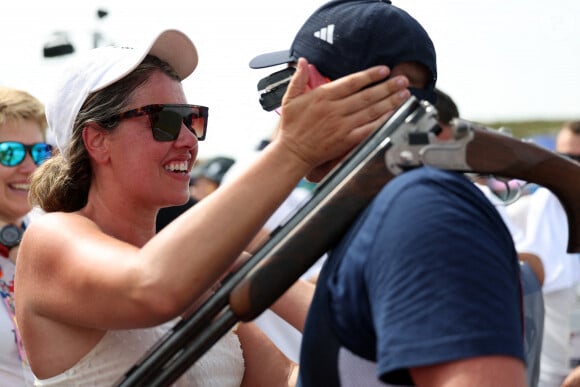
(166, 120)
(12, 153)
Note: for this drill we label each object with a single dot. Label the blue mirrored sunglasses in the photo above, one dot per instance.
(13, 153)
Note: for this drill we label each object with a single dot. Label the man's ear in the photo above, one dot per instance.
(95, 139)
(315, 79)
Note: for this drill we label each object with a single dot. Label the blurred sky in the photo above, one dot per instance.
(500, 60)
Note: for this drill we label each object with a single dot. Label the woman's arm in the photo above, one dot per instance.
(259, 350)
(294, 303)
(73, 272)
(475, 372)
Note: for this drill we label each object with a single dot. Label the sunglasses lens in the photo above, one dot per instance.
(11, 153)
(197, 122)
(166, 125)
(40, 152)
(167, 122)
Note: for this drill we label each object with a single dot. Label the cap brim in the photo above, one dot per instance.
(177, 49)
(272, 59)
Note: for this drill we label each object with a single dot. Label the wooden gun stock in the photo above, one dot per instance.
(488, 151)
(515, 159)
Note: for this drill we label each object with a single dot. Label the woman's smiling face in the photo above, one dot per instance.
(15, 181)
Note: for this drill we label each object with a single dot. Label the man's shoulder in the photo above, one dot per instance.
(427, 175)
(427, 184)
(412, 200)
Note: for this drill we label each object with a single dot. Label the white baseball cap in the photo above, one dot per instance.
(98, 68)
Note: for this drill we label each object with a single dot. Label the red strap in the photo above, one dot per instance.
(4, 251)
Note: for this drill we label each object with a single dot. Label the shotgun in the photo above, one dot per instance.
(406, 140)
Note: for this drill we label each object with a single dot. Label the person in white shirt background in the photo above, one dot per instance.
(546, 237)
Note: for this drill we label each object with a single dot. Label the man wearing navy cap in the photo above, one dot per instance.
(346, 36)
(424, 288)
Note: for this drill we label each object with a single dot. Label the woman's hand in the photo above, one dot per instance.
(325, 123)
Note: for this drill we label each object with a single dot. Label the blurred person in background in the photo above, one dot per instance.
(207, 176)
(546, 240)
(23, 148)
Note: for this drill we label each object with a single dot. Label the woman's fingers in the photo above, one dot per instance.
(371, 107)
(325, 123)
(299, 82)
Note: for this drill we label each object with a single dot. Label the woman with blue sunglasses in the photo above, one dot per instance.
(96, 285)
(22, 150)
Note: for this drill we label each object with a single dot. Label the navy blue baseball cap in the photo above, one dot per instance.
(345, 36)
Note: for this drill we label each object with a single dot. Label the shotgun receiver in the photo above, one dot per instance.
(406, 140)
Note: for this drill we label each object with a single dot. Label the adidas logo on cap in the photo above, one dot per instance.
(326, 33)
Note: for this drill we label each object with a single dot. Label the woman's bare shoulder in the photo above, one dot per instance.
(49, 235)
(58, 225)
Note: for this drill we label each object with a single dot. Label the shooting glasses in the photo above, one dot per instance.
(273, 87)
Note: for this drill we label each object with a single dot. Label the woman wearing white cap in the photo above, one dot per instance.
(95, 285)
